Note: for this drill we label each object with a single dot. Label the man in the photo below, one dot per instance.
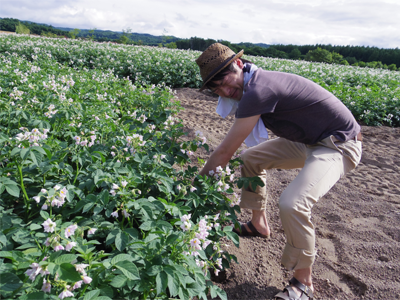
(316, 132)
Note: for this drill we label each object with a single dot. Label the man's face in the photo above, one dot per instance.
(232, 84)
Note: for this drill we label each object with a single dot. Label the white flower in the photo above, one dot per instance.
(49, 225)
(125, 213)
(70, 230)
(69, 246)
(92, 230)
(195, 243)
(65, 294)
(81, 268)
(46, 287)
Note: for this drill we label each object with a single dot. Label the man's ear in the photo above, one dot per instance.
(239, 62)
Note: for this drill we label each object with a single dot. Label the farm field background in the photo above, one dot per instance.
(96, 170)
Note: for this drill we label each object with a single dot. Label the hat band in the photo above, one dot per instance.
(217, 69)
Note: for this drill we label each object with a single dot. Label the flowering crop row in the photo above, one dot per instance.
(96, 201)
(371, 94)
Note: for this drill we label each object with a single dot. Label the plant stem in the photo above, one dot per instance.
(26, 198)
(77, 172)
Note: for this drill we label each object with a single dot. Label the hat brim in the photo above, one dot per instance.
(220, 68)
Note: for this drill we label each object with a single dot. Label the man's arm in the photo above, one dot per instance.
(235, 137)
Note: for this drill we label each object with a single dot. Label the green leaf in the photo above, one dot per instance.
(44, 214)
(111, 236)
(121, 257)
(34, 158)
(52, 268)
(9, 282)
(129, 269)
(7, 254)
(183, 293)
(168, 183)
(148, 225)
(172, 285)
(118, 281)
(33, 296)
(66, 258)
(121, 240)
(227, 229)
(165, 226)
(161, 282)
(5, 222)
(97, 209)
(222, 294)
(172, 238)
(12, 189)
(68, 273)
(107, 291)
(154, 270)
(132, 232)
(88, 207)
(39, 149)
(15, 151)
(91, 295)
(24, 153)
(34, 227)
(233, 237)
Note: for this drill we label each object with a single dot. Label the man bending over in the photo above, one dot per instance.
(316, 133)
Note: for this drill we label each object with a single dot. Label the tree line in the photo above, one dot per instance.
(363, 56)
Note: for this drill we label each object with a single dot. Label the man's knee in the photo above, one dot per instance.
(290, 205)
(286, 208)
(246, 156)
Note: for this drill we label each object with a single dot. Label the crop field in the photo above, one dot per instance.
(99, 198)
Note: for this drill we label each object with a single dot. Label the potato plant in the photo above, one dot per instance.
(98, 197)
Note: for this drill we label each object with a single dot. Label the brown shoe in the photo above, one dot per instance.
(253, 231)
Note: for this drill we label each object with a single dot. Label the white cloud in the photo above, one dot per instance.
(339, 22)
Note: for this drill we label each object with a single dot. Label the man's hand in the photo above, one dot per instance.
(235, 137)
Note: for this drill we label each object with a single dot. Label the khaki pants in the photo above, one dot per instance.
(323, 164)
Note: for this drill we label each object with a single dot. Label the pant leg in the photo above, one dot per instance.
(276, 153)
(326, 163)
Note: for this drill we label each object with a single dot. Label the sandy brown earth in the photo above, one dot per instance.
(357, 222)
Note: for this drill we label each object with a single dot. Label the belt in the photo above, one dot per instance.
(358, 137)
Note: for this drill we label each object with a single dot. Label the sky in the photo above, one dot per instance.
(299, 22)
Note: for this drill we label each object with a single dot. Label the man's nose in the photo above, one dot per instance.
(224, 90)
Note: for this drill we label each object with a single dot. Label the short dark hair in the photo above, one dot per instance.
(231, 68)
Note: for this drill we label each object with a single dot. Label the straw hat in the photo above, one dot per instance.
(214, 59)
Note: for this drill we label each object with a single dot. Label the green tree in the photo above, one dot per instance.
(392, 67)
(336, 57)
(22, 29)
(74, 33)
(319, 55)
(92, 35)
(125, 37)
(295, 54)
(171, 45)
(351, 60)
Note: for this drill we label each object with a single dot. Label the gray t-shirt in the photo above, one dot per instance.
(296, 108)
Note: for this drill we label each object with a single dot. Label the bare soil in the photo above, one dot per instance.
(357, 222)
